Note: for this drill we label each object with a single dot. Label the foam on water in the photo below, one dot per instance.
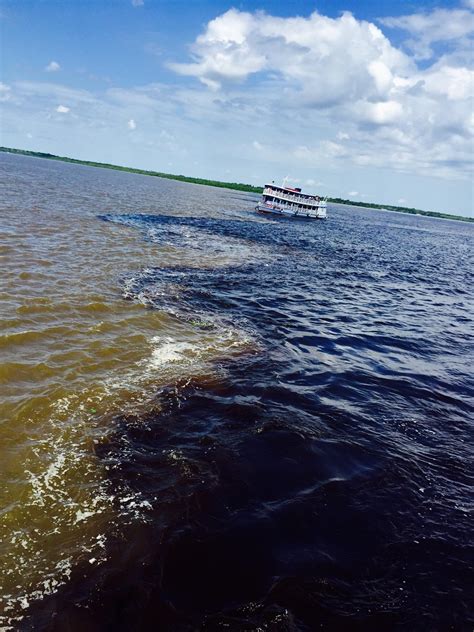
(210, 398)
(168, 350)
(68, 507)
(52, 504)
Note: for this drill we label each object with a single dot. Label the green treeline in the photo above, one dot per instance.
(227, 185)
(403, 209)
(104, 165)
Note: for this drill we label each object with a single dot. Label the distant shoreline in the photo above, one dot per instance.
(237, 186)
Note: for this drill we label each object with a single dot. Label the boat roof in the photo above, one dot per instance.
(290, 190)
(275, 186)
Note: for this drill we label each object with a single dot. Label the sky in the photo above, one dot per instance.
(367, 100)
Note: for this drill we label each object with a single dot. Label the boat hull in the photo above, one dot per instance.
(264, 209)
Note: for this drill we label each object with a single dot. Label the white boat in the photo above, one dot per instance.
(291, 202)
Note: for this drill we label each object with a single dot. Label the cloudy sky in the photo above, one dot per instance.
(362, 99)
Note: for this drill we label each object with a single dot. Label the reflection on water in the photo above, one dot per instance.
(216, 420)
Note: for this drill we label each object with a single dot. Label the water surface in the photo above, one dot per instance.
(213, 420)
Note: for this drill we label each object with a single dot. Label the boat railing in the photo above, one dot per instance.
(292, 198)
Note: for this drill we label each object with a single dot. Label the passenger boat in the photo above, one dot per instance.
(291, 202)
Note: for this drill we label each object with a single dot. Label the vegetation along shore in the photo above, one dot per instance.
(228, 185)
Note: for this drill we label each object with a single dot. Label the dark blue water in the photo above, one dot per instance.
(325, 482)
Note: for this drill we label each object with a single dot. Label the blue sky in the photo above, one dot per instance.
(371, 100)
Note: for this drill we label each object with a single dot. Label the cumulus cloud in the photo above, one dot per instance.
(310, 54)
(63, 109)
(53, 66)
(321, 94)
(454, 83)
(305, 74)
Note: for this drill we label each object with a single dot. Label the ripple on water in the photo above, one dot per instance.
(216, 420)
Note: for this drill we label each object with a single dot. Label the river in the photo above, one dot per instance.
(215, 420)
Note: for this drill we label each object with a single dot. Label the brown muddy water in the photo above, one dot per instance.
(74, 352)
(212, 420)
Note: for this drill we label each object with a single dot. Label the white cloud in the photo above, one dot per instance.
(316, 104)
(382, 76)
(310, 54)
(332, 149)
(440, 25)
(383, 112)
(455, 83)
(63, 109)
(53, 66)
(5, 92)
(325, 152)
(304, 73)
(138, 3)
(47, 90)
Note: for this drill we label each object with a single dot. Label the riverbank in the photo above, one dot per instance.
(228, 185)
